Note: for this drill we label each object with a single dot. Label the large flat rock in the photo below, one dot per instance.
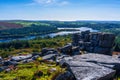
(90, 71)
(100, 59)
(22, 57)
(92, 66)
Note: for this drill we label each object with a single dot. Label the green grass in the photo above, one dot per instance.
(33, 71)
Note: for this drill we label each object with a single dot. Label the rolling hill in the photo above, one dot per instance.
(6, 25)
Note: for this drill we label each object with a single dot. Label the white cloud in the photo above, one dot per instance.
(51, 2)
(64, 3)
(44, 1)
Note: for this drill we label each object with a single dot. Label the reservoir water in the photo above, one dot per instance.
(75, 30)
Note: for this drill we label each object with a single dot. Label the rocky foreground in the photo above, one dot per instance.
(79, 66)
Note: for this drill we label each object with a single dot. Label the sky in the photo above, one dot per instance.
(63, 10)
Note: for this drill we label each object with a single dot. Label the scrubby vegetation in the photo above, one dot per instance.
(15, 47)
(37, 70)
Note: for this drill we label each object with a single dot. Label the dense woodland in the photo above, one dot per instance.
(27, 31)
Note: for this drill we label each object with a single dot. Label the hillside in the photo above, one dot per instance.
(6, 25)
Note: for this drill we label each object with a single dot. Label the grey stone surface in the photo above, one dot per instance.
(22, 57)
(94, 42)
(35, 57)
(102, 50)
(75, 50)
(65, 76)
(60, 57)
(67, 49)
(106, 44)
(27, 60)
(92, 73)
(108, 36)
(92, 66)
(95, 36)
(49, 57)
(46, 51)
(99, 58)
(0, 58)
(3, 68)
(76, 38)
(7, 63)
(103, 60)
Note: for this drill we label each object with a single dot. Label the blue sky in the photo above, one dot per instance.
(60, 10)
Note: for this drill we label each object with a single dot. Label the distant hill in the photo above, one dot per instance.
(6, 25)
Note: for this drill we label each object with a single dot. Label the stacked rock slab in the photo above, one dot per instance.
(92, 66)
(94, 42)
(69, 49)
(76, 38)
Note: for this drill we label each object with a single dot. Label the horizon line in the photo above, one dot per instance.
(52, 20)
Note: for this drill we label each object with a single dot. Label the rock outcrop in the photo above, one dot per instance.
(92, 66)
(22, 57)
(94, 42)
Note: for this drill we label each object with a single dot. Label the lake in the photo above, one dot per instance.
(61, 33)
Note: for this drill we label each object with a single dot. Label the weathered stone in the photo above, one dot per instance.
(76, 38)
(95, 36)
(61, 59)
(49, 57)
(7, 63)
(106, 44)
(46, 51)
(94, 42)
(35, 57)
(118, 56)
(84, 45)
(49, 52)
(22, 57)
(81, 45)
(92, 66)
(67, 49)
(0, 58)
(85, 34)
(3, 68)
(65, 76)
(89, 49)
(106, 51)
(92, 73)
(27, 60)
(104, 60)
(75, 50)
(108, 36)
